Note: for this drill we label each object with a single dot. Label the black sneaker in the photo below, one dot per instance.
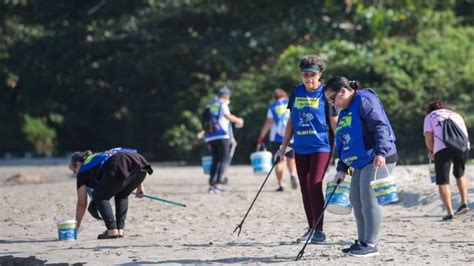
(463, 209)
(280, 189)
(448, 217)
(364, 250)
(294, 185)
(354, 246)
(318, 237)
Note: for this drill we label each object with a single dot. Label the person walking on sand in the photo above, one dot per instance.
(218, 136)
(277, 117)
(437, 112)
(114, 173)
(309, 125)
(365, 141)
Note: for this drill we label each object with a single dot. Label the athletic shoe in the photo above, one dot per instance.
(213, 190)
(303, 238)
(354, 246)
(222, 189)
(364, 250)
(448, 217)
(294, 185)
(463, 209)
(280, 189)
(318, 237)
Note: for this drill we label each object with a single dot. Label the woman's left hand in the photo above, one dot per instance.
(379, 161)
(140, 191)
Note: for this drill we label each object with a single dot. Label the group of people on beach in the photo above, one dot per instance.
(318, 118)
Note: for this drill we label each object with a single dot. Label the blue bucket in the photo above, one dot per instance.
(206, 164)
(385, 190)
(261, 162)
(67, 230)
(339, 203)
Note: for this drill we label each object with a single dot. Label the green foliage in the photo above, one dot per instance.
(39, 134)
(138, 73)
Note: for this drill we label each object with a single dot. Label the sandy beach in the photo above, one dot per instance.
(201, 233)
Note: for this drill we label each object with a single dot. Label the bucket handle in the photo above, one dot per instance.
(377, 168)
(261, 146)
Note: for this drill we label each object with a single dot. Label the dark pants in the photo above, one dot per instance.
(311, 169)
(120, 189)
(220, 159)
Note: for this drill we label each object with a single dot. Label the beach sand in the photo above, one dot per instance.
(202, 233)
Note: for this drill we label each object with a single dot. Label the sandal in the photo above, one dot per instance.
(104, 235)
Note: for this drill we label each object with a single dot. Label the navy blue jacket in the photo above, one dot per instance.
(376, 128)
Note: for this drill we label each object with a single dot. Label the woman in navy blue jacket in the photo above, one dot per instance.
(365, 141)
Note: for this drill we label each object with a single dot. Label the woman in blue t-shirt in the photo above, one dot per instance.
(308, 125)
(365, 141)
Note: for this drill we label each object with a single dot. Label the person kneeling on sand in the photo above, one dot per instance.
(365, 141)
(114, 173)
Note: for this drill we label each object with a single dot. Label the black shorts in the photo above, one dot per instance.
(443, 159)
(275, 146)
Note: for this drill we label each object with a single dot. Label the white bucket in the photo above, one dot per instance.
(206, 164)
(339, 203)
(432, 170)
(67, 230)
(261, 162)
(385, 190)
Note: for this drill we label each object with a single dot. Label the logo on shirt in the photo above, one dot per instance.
(305, 118)
(345, 139)
(346, 121)
(302, 102)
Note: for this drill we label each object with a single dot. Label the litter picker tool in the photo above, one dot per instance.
(162, 200)
(300, 254)
(256, 196)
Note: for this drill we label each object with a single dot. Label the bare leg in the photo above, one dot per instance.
(445, 194)
(280, 167)
(293, 174)
(462, 186)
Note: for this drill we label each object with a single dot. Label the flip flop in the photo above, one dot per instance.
(104, 235)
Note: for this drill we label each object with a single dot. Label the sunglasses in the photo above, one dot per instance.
(333, 97)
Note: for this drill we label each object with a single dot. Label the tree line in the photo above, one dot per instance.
(96, 74)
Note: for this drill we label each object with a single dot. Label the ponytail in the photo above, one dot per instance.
(337, 82)
(354, 84)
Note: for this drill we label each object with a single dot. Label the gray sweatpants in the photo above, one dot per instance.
(367, 211)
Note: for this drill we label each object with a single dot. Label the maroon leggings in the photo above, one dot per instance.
(311, 169)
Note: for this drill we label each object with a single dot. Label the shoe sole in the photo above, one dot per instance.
(365, 255)
(463, 211)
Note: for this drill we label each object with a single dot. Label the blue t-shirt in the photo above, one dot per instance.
(308, 115)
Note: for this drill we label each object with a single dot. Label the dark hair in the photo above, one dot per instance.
(79, 157)
(312, 60)
(279, 93)
(337, 82)
(436, 105)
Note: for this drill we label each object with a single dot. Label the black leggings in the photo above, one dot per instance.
(120, 189)
(220, 159)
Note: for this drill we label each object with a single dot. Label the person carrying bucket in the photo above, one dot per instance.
(114, 173)
(219, 136)
(437, 113)
(309, 126)
(277, 117)
(365, 141)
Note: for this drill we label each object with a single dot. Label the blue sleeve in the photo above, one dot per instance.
(376, 123)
